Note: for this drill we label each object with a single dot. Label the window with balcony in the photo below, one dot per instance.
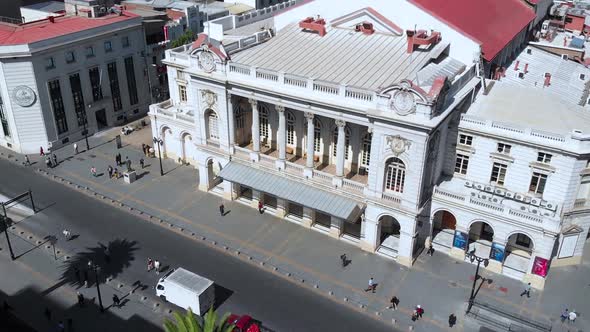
(108, 47)
(89, 52)
(290, 129)
(346, 142)
(131, 84)
(395, 175)
(503, 148)
(366, 153)
(498, 174)
(461, 164)
(114, 83)
(57, 104)
(538, 182)
(70, 57)
(79, 106)
(212, 125)
(94, 74)
(465, 139)
(182, 93)
(543, 157)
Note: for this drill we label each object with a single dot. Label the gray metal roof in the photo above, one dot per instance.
(341, 56)
(48, 7)
(566, 82)
(290, 190)
(189, 280)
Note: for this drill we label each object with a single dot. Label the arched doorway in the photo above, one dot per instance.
(481, 236)
(187, 152)
(519, 252)
(443, 230)
(213, 169)
(164, 133)
(389, 233)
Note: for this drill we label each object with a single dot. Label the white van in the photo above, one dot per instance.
(187, 290)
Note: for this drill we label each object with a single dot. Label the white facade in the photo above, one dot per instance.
(29, 67)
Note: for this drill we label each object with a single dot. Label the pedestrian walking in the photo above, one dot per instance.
(414, 315)
(110, 171)
(128, 163)
(116, 173)
(344, 260)
(430, 250)
(157, 266)
(221, 209)
(54, 159)
(572, 316)
(47, 313)
(150, 264)
(48, 162)
(67, 234)
(141, 162)
(75, 148)
(419, 311)
(143, 148)
(27, 161)
(371, 285)
(260, 207)
(394, 303)
(564, 315)
(452, 320)
(80, 299)
(527, 290)
(93, 171)
(117, 159)
(116, 301)
(41, 152)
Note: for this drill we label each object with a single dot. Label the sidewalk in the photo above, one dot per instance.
(440, 284)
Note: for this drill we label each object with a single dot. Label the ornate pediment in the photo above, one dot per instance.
(404, 96)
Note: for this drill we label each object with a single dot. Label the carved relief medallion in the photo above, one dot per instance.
(209, 97)
(398, 144)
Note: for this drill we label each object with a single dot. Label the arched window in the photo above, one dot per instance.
(366, 152)
(317, 135)
(263, 125)
(346, 142)
(290, 128)
(395, 175)
(212, 125)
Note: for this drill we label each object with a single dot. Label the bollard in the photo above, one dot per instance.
(393, 321)
(345, 299)
(316, 286)
(261, 263)
(330, 293)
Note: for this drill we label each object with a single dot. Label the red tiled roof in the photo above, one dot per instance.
(493, 23)
(174, 14)
(12, 34)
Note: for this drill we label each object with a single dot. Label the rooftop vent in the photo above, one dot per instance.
(365, 27)
(314, 24)
(421, 37)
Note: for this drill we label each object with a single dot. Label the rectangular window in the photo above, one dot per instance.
(78, 96)
(498, 174)
(543, 157)
(538, 182)
(317, 139)
(461, 164)
(125, 41)
(182, 93)
(70, 57)
(50, 64)
(108, 47)
(89, 52)
(290, 133)
(465, 139)
(58, 106)
(503, 148)
(213, 127)
(114, 82)
(4, 120)
(94, 74)
(131, 84)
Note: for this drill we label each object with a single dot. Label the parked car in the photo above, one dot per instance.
(245, 323)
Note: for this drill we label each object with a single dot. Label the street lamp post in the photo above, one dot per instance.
(96, 270)
(159, 142)
(4, 218)
(473, 258)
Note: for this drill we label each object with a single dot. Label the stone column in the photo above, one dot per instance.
(494, 265)
(340, 153)
(405, 251)
(370, 231)
(310, 142)
(281, 208)
(281, 137)
(308, 217)
(255, 154)
(336, 226)
(459, 253)
(230, 190)
(231, 125)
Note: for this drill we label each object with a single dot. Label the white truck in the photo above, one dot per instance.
(187, 290)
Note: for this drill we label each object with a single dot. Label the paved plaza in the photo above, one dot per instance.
(439, 283)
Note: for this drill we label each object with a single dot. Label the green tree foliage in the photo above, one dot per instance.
(190, 323)
(187, 37)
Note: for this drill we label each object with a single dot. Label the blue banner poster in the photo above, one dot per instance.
(497, 252)
(460, 240)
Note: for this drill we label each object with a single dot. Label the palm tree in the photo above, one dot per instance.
(189, 323)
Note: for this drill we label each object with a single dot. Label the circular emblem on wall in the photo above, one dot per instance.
(403, 102)
(24, 96)
(207, 61)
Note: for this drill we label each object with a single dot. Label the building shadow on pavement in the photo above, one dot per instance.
(27, 314)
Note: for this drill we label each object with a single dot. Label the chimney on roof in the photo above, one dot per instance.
(526, 68)
(317, 25)
(547, 81)
(516, 65)
(421, 37)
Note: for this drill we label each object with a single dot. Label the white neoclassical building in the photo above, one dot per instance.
(520, 185)
(348, 125)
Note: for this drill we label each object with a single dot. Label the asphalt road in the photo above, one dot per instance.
(280, 304)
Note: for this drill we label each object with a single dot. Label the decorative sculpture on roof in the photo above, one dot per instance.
(398, 144)
(403, 98)
(206, 59)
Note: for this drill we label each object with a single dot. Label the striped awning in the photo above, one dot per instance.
(291, 190)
